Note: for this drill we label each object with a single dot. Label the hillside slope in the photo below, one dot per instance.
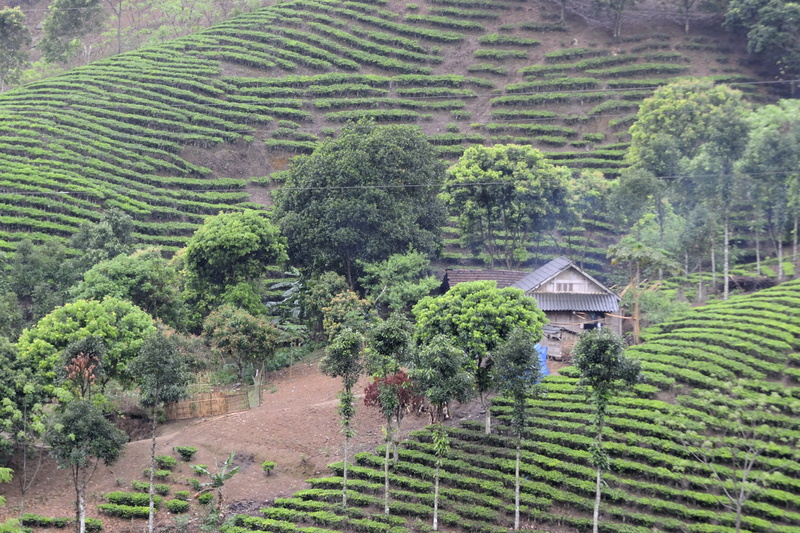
(739, 356)
(173, 133)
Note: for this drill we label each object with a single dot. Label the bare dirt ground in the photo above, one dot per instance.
(296, 426)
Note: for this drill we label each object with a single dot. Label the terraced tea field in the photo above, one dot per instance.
(137, 131)
(736, 356)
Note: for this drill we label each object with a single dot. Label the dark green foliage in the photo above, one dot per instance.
(186, 452)
(165, 461)
(176, 506)
(343, 177)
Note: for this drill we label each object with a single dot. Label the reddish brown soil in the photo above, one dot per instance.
(296, 426)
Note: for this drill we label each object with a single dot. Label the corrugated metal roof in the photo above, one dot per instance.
(542, 274)
(504, 278)
(570, 301)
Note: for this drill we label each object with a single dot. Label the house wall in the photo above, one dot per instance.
(580, 283)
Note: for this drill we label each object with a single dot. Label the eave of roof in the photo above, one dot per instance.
(570, 301)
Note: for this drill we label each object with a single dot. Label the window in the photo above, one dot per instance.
(565, 287)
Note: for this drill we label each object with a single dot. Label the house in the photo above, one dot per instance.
(572, 300)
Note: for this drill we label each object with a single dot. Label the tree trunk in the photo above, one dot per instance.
(758, 252)
(516, 487)
(596, 516)
(436, 497)
(151, 516)
(700, 282)
(714, 266)
(794, 246)
(487, 429)
(344, 473)
(563, 11)
(636, 296)
(726, 248)
(396, 440)
(780, 257)
(82, 501)
(386, 473)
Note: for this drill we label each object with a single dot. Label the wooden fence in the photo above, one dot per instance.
(215, 403)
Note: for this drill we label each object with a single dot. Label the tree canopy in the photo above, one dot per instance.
(772, 31)
(66, 23)
(503, 194)
(143, 277)
(363, 196)
(15, 39)
(121, 325)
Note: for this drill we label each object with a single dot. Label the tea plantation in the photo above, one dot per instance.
(725, 360)
(120, 132)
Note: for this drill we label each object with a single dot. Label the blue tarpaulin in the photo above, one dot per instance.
(542, 350)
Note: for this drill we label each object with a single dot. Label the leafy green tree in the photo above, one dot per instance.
(604, 373)
(81, 438)
(347, 310)
(66, 23)
(399, 282)
(242, 338)
(477, 317)
(388, 346)
(770, 164)
(227, 250)
(162, 376)
(519, 371)
(772, 31)
(105, 239)
(144, 278)
(696, 128)
(15, 39)
(23, 418)
(343, 360)
(639, 257)
(438, 371)
(40, 276)
(363, 196)
(121, 325)
(615, 8)
(502, 196)
(318, 295)
(12, 525)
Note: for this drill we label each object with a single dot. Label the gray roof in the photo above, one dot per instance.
(540, 275)
(569, 301)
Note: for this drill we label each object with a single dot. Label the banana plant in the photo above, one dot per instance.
(218, 479)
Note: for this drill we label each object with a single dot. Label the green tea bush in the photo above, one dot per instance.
(165, 462)
(177, 506)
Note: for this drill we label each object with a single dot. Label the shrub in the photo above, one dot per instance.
(94, 525)
(268, 466)
(182, 495)
(124, 511)
(165, 461)
(35, 520)
(187, 452)
(144, 486)
(159, 474)
(205, 498)
(133, 499)
(177, 506)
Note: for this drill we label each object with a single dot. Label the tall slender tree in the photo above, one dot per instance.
(15, 39)
(81, 438)
(162, 376)
(343, 360)
(519, 372)
(438, 370)
(605, 372)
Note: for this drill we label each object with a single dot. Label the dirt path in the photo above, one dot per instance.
(296, 426)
